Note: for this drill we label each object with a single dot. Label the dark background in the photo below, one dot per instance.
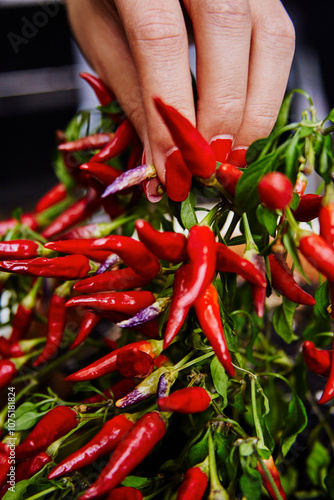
(40, 88)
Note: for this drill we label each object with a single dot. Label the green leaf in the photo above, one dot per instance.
(26, 416)
(295, 423)
(283, 320)
(292, 154)
(246, 193)
(255, 149)
(188, 214)
(295, 201)
(322, 300)
(137, 482)
(199, 451)
(325, 167)
(267, 218)
(220, 380)
(290, 245)
(283, 114)
(251, 483)
(113, 108)
(317, 463)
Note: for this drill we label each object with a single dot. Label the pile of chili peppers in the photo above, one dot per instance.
(151, 350)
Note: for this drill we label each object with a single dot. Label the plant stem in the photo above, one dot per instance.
(179, 366)
(256, 419)
(42, 494)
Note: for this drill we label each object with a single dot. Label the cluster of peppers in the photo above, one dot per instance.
(168, 292)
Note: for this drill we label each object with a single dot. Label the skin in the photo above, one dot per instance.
(244, 51)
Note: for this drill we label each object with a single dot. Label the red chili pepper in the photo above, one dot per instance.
(117, 279)
(194, 484)
(5, 463)
(133, 253)
(105, 174)
(8, 371)
(230, 262)
(326, 216)
(117, 391)
(167, 245)
(78, 246)
(56, 323)
(258, 292)
(16, 249)
(69, 267)
(101, 444)
(177, 312)
(123, 137)
(89, 320)
(201, 250)
(328, 393)
(275, 191)
(108, 363)
(186, 400)
(16, 349)
(129, 453)
(29, 467)
(55, 195)
(318, 253)
(274, 474)
(76, 213)
(28, 219)
(55, 424)
(308, 208)
(283, 282)
(125, 493)
(228, 176)
(178, 177)
(196, 152)
(134, 363)
(208, 313)
(103, 94)
(24, 314)
(94, 141)
(317, 360)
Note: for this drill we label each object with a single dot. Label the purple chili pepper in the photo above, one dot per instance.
(129, 178)
(166, 380)
(109, 263)
(147, 314)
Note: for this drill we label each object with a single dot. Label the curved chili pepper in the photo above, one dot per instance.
(147, 314)
(76, 213)
(129, 453)
(186, 400)
(55, 424)
(274, 474)
(228, 176)
(89, 320)
(101, 444)
(56, 194)
(24, 313)
(105, 174)
(147, 388)
(166, 380)
(177, 312)
(318, 253)
(125, 493)
(208, 314)
(134, 363)
(94, 141)
(194, 484)
(283, 282)
(201, 250)
(5, 463)
(28, 219)
(196, 152)
(16, 349)
(104, 95)
(328, 393)
(78, 246)
(29, 467)
(108, 363)
(317, 360)
(128, 302)
(258, 292)
(230, 262)
(168, 246)
(69, 267)
(130, 178)
(16, 249)
(117, 279)
(117, 391)
(178, 177)
(123, 137)
(108, 264)
(133, 253)
(308, 208)
(56, 323)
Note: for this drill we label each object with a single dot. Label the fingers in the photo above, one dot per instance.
(158, 40)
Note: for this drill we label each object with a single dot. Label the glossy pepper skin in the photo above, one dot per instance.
(193, 486)
(178, 177)
(108, 363)
(228, 176)
(201, 250)
(125, 493)
(258, 292)
(55, 195)
(275, 475)
(103, 94)
(89, 320)
(55, 424)
(275, 191)
(123, 137)
(129, 453)
(16, 349)
(28, 219)
(29, 467)
(318, 253)
(208, 314)
(308, 208)
(116, 279)
(133, 253)
(196, 152)
(8, 371)
(328, 393)
(24, 314)
(168, 246)
(284, 283)
(68, 267)
(105, 174)
(15, 249)
(186, 400)
(101, 444)
(317, 360)
(128, 302)
(94, 141)
(134, 363)
(78, 247)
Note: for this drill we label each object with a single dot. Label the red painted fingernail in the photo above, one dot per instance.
(221, 147)
(178, 177)
(238, 157)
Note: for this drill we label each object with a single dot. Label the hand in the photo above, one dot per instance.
(139, 48)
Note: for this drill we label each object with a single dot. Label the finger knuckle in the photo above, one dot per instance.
(157, 26)
(277, 28)
(228, 13)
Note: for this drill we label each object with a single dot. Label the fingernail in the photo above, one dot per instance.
(238, 157)
(178, 177)
(221, 146)
(153, 189)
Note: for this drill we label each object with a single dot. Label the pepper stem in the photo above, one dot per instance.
(216, 489)
(250, 243)
(256, 419)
